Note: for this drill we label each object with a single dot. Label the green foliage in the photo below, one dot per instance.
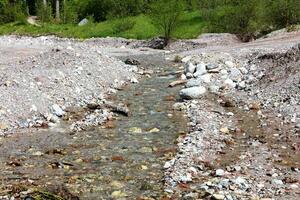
(12, 12)
(69, 12)
(165, 15)
(139, 27)
(249, 17)
(44, 13)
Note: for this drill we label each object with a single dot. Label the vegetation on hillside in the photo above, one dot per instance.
(148, 18)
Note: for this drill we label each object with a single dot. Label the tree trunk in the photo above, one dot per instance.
(57, 16)
(45, 3)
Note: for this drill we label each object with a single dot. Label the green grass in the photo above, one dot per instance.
(138, 27)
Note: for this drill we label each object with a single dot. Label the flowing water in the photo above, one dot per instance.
(123, 161)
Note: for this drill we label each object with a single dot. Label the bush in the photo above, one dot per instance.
(12, 12)
(123, 25)
(165, 15)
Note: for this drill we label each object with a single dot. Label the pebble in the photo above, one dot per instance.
(220, 172)
(192, 92)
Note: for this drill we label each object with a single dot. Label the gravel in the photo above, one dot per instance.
(54, 75)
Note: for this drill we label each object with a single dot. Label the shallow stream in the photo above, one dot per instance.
(123, 160)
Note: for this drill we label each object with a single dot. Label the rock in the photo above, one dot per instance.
(218, 196)
(178, 82)
(205, 78)
(183, 77)
(179, 106)
(244, 70)
(134, 80)
(193, 83)
(228, 83)
(57, 110)
(189, 68)
(83, 22)
(157, 43)
(200, 70)
(220, 172)
(189, 75)
(211, 66)
(277, 182)
(131, 61)
(186, 178)
(135, 130)
(154, 130)
(224, 130)
(192, 93)
(242, 85)
(235, 74)
(230, 64)
(118, 194)
(3, 126)
(213, 89)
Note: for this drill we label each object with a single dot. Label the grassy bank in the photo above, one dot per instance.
(139, 27)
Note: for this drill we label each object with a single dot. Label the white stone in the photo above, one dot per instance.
(220, 172)
(192, 92)
(57, 110)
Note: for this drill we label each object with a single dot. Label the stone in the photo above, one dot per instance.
(218, 196)
(277, 182)
(194, 82)
(225, 130)
(179, 106)
(131, 61)
(211, 66)
(220, 172)
(200, 70)
(230, 64)
(213, 89)
(192, 92)
(83, 22)
(235, 74)
(189, 68)
(244, 70)
(134, 80)
(57, 110)
(157, 43)
(189, 75)
(135, 130)
(118, 194)
(154, 130)
(205, 78)
(228, 83)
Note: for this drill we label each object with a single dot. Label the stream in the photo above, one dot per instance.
(122, 160)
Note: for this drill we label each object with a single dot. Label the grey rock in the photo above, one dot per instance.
(189, 75)
(235, 74)
(194, 82)
(57, 110)
(189, 68)
(200, 70)
(220, 172)
(192, 93)
(83, 22)
(211, 66)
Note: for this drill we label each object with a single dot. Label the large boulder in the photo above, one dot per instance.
(193, 92)
(157, 43)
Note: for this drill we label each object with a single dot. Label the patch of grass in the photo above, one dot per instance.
(138, 27)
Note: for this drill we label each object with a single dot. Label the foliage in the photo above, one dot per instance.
(165, 15)
(12, 12)
(44, 12)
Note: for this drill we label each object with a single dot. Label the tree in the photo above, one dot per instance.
(165, 15)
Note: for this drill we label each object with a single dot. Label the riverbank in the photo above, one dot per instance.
(244, 122)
